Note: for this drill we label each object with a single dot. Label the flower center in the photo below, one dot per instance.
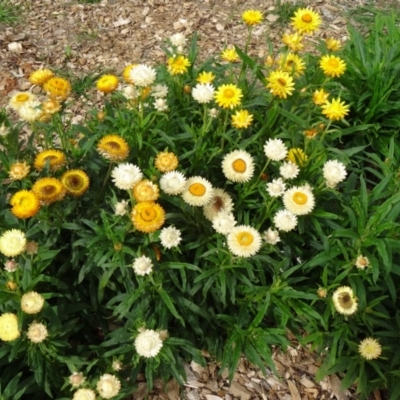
(281, 81)
(307, 18)
(229, 93)
(148, 214)
(345, 301)
(239, 165)
(148, 344)
(114, 146)
(245, 238)
(48, 190)
(50, 159)
(197, 189)
(22, 98)
(75, 182)
(333, 63)
(300, 198)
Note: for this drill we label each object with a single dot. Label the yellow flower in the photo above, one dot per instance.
(51, 106)
(113, 148)
(18, 171)
(9, 327)
(12, 243)
(230, 55)
(57, 88)
(332, 66)
(21, 98)
(370, 349)
(145, 190)
(269, 61)
(107, 83)
(40, 76)
(147, 216)
(32, 303)
(333, 44)
(228, 96)
(25, 204)
(55, 159)
(297, 156)
(320, 97)
(75, 181)
(306, 20)
(166, 161)
(252, 17)
(49, 190)
(242, 119)
(280, 83)
(292, 63)
(335, 109)
(311, 133)
(205, 77)
(178, 65)
(293, 41)
(126, 74)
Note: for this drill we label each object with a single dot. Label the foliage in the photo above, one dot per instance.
(9, 13)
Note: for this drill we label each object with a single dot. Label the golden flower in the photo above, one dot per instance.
(269, 61)
(311, 133)
(333, 44)
(145, 190)
(292, 63)
(242, 119)
(187, 89)
(51, 106)
(18, 171)
(228, 96)
(230, 55)
(9, 327)
(252, 17)
(147, 216)
(297, 156)
(293, 41)
(280, 83)
(306, 20)
(344, 300)
(126, 74)
(55, 159)
(32, 303)
(166, 161)
(12, 243)
(320, 97)
(25, 204)
(21, 98)
(145, 92)
(335, 109)
(75, 181)
(178, 65)
(11, 285)
(58, 88)
(113, 148)
(332, 65)
(205, 77)
(370, 349)
(49, 190)
(40, 76)
(107, 83)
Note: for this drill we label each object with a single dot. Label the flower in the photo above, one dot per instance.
(170, 237)
(276, 188)
(21, 98)
(213, 113)
(25, 204)
(49, 190)
(51, 106)
(293, 41)
(84, 394)
(335, 110)
(224, 222)
(11, 265)
(9, 327)
(252, 17)
(228, 96)
(173, 182)
(178, 39)
(306, 20)
(205, 77)
(238, 166)
(203, 93)
(4, 131)
(145, 190)
(142, 75)
(271, 236)
(198, 191)
(75, 181)
(40, 76)
(121, 207)
(220, 202)
(160, 105)
(37, 332)
(280, 84)
(370, 348)
(126, 73)
(126, 176)
(55, 159)
(334, 172)
(11, 285)
(230, 55)
(147, 216)
(320, 97)
(148, 343)
(142, 266)
(285, 220)
(311, 133)
(31, 248)
(322, 292)
(108, 386)
(130, 92)
(362, 262)
(113, 148)
(332, 65)
(159, 91)
(117, 365)
(32, 303)
(244, 241)
(292, 64)
(344, 300)
(299, 200)
(57, 87)
(107, 83)
(30, 111)
(289, 170)
(275, 149)
(297, 156)
(76, 379)
(242, 119)
(166, 161)
(333, 44)
(178, 65)
(12, 243)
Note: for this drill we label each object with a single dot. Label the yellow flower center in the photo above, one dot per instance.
(22, 98)
(114, 145)
(245, 238)
(333, 63)
(239, 165)
(345, 301)
(229, 93)
(50, 159)
(148, 214)
(75, 182)
(281, 81)
(48, 190)
(197, 189)
(307, 18)
(300, 198)
(178, 62)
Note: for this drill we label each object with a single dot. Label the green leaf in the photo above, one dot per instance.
(168, 302)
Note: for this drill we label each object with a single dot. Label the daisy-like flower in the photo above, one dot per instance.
(178, 39)
(108, 386)
(203, 93)
(21, 98)
(160, 105)
(362, 262)
(306, 20)
(224, 222)
(332, 66)
(213, 113)
(142, 75)
(198, 191)
(76, 379)
(9, 327)
(32, 303)
(117, 365)
(113, 148)
(178, 65)
(121, 208)
(311, 133)
(170, 237)
(275, 149)
(12, 243)
(335, 109)
(269, 61)
(84, 394)
(159, 91)
(145, 190)
(166, 161)
(57, 88)
(126, 176)
(333, 44)
(299, 200)
(334, 172)
(25, 204)
(320, 97)
(130, 92)
(370, 348)
(228, 96)
(344, 300)
(285, 220)
(49, 190)
(276, 188)
(37, 332)
(244, 241)
(297, 156)
(107, 83)
(220, 202)
(205, 77)
(126, 73)
(271, 236)
(31, 111)
(280, 84)
(230, 55)
(11, 265)
(252, 17)
(75, 181)
(289, 170)
(292, 64)
(238, 166)
(54, 158)
(40, 76)
(173, 183)
(242, 119)
(51, 106)
(293, 41)
(148, 343)
(147, 216)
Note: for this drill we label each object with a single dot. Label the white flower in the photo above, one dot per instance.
(198, 191)
(271, 236)
(159, 91)
(126, 175)
(289, 170)
(108, 386)
(121, 207)
(76, 379)
(178, 39)
(117, 365)
(30, 111)
(12, 243)
(203, 92)
(238, 166)
(170, 237)
(148, 343)
(213, 113)
(299, 200)
(11, 265)
(285, 221)
(224, 222)
(334, 172)
(276, 188)
(362, 262)
(142, 266)
(32, 303)
(4, 131)
(143, 75)
(130, 92)
(344, 300)
(275, 149)
(37, 332)
(244, 241)
(160, 105)
(221, 201)
(173, 182)
(84, 394)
